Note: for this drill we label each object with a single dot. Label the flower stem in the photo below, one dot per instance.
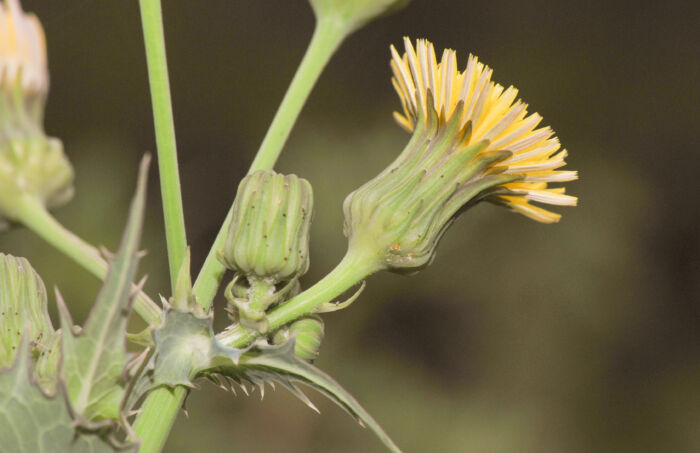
(157, 417)
(160, 408)
(34, 216)
(326, 39)
(152, 22)
(350, 271)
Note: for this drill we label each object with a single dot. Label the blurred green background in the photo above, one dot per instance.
(580, 337)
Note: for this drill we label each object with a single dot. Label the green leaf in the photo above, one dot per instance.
(184, 341)
(184, 345)
(94, 358)
(269, 364)
(33, 422)
(186, 348)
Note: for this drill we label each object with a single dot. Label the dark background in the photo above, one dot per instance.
(580, 337)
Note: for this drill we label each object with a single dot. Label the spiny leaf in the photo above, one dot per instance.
(185, 341)
(95, 358)
(268, 364)
(187, 348)
(32, 422)
(184, 345)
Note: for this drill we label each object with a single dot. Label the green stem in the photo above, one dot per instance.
(152, 22)
(157, 417)
(160, 409)
(350, 271)
(34, 216)
(326, 39)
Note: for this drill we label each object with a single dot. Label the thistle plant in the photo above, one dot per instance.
(79, 388)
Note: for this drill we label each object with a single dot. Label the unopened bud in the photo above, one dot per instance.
(269, 233)
(308, 334)
(23, 309)
(268, 241)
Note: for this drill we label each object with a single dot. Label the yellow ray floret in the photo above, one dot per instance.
(22, 50)
(494, 115)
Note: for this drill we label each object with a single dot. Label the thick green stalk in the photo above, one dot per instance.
(34, 216)
(152, 22)
(160, 408)
(350, 271)
(157, 417)
(326, 39)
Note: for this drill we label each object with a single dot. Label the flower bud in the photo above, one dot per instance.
(470, 142)
(308, 334)
(268, 241)
(31, 164)
(269, 233)
(354, 14)
(23, 309)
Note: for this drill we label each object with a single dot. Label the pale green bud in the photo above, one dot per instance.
(31, 164)
(34, 167)
(351, 15)
(308, 334)
(23, 309)
(267, 244)
(268, 237)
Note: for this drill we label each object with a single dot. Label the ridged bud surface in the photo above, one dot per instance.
(267, 244)
(268, 238)
(36, 167)
(23, 308)
(308, 333)
(401, 214)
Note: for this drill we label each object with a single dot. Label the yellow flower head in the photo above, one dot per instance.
(489, 114)
(22, 50)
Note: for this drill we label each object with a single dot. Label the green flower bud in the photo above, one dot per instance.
(23, 308)
(308, 334)
(268, 241)
(269, 233)
(354, 14)
(31, 164)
